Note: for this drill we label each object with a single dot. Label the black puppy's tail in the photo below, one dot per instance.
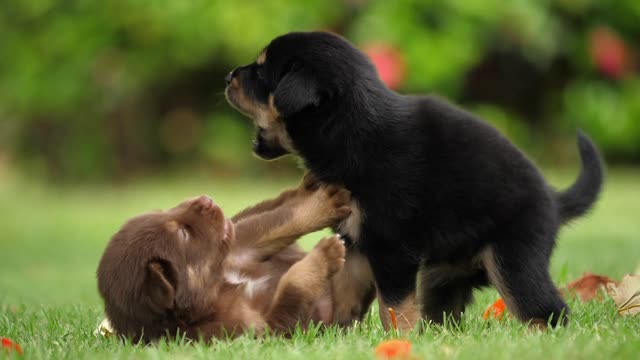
(578, 199)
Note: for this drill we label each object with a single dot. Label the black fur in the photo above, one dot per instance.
(437, 185)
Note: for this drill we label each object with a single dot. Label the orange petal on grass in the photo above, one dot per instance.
(393, 349)
(495, 310)
(394, 319)
(10, 346)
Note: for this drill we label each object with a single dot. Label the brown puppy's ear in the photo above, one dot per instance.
(296, 90)
(160, 284)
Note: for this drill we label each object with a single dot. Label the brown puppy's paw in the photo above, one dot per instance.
(322, 206)
(310, 182)
(339, 200)
(333, 251)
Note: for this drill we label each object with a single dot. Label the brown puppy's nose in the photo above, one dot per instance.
(229, 77)
(205, 202)
(209, 207)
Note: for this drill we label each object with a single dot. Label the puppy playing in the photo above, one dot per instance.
(442, 203)
(193, 271)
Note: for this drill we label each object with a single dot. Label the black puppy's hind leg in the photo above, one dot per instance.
(445, 291)
(518, 265)
(395, 278)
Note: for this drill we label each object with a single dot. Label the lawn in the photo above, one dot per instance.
(52, 238)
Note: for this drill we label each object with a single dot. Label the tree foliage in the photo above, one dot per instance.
(103, 89)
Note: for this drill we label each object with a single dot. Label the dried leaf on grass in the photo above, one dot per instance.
(588, 286)
(626, 294)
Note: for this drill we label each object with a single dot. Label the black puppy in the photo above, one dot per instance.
(439, 194)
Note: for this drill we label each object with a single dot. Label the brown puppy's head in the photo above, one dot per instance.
(297, 76)
(161, 271)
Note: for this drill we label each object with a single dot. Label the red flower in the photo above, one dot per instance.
(10, 346)
(389, 62)
(609, 52)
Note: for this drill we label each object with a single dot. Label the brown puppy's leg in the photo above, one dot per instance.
(311, 209)
(354, 287)
(264, 206)
(309, 183)
(304, 283)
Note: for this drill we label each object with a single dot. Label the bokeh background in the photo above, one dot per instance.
(111, 108)
(108, 90)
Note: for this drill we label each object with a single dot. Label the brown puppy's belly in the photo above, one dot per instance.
(353, 286)
(324, 308)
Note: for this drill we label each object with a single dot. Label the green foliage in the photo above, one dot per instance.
(610, 113)
(442, 40)
(88, 89)
(63, 56)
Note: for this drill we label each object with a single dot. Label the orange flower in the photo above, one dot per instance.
(393, 349)
(496, 309)
(10, 346)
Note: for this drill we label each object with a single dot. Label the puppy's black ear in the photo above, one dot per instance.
(297, 90)
(160, 284)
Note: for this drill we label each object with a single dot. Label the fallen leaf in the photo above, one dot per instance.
(394, 319)
(9, 346)
(393, 349)
(626, 294)
(495, 310)
(588, 286)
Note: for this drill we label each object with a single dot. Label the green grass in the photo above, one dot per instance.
(52, 238)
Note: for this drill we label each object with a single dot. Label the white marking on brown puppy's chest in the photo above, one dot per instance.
(233, 273)
(352, 225)
(251, 286)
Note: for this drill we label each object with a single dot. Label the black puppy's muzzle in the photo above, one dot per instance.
(266, 149)
(229, 77)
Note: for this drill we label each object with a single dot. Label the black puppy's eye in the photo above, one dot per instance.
(257, 71)
(260, 73)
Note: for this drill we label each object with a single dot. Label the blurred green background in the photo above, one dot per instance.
(104, 91)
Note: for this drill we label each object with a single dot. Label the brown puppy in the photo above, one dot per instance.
(191, 270)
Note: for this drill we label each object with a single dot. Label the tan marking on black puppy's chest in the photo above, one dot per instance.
(352, 226)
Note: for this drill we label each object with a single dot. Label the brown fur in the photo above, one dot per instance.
(191, 270)
(354, 284)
